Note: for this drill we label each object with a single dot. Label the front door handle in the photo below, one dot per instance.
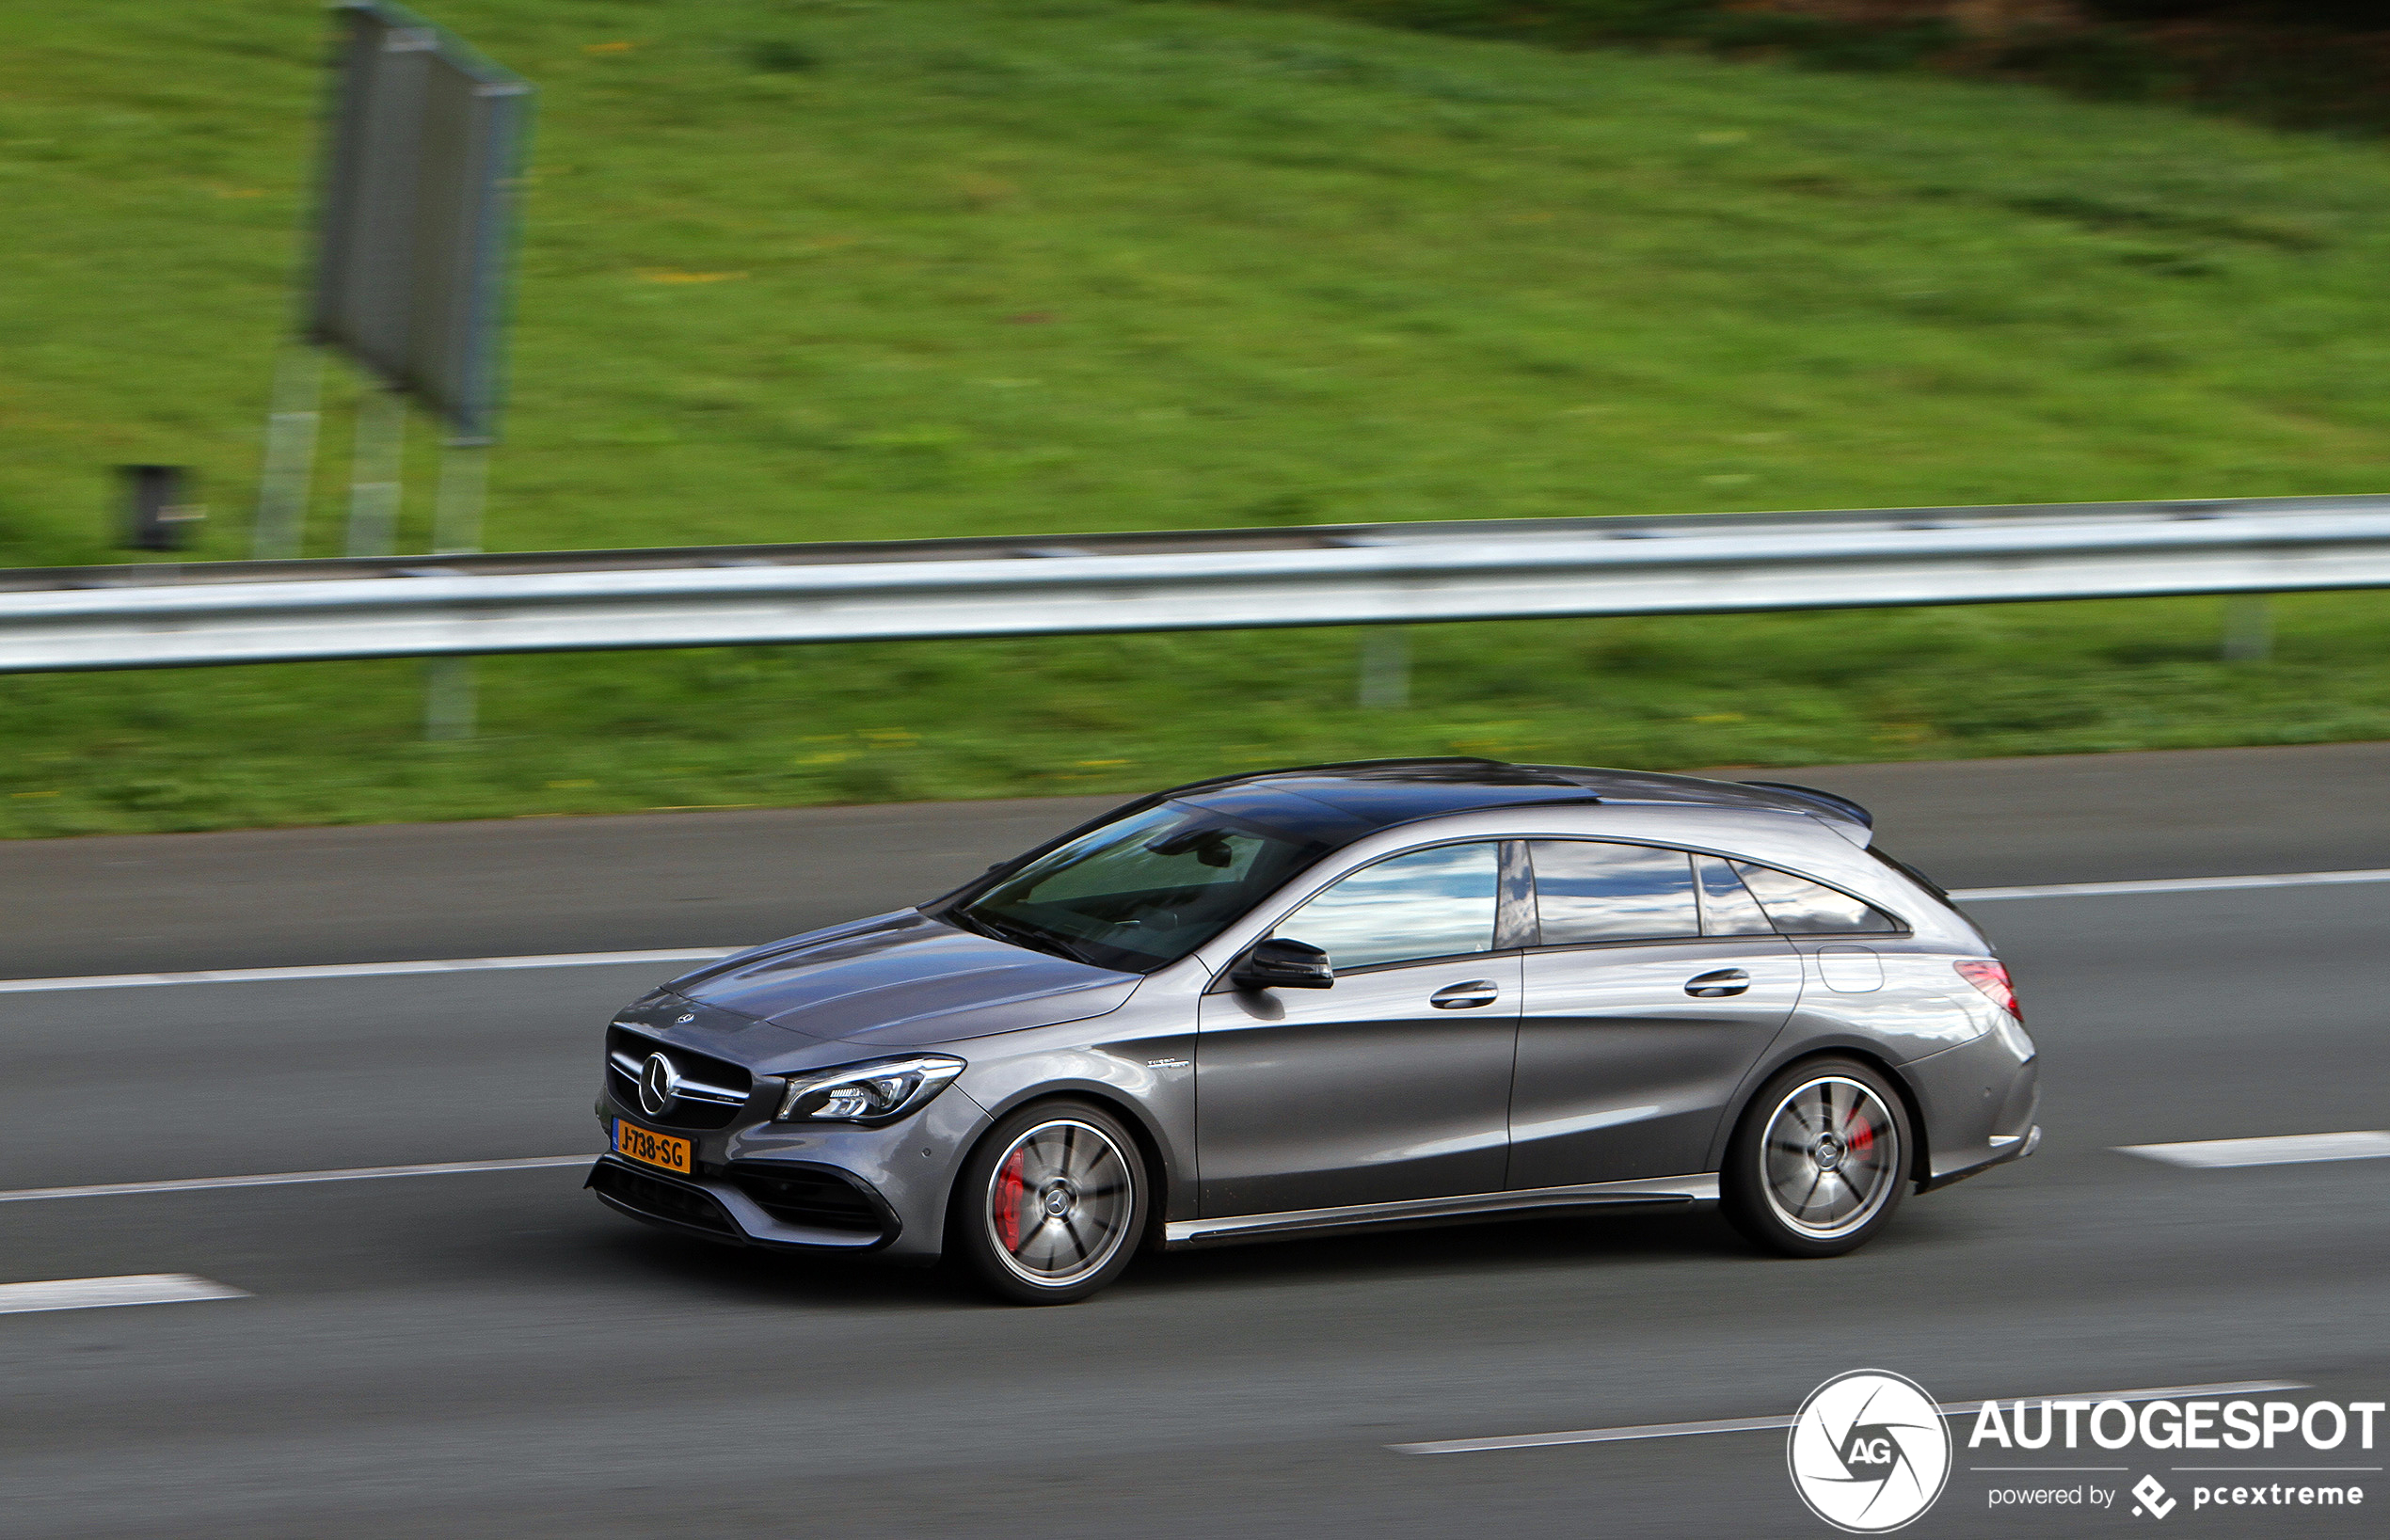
(1477, 992)
(1716, 986)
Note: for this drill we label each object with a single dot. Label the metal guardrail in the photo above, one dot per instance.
(149, 616)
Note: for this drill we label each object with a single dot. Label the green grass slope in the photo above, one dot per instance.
(814, 271)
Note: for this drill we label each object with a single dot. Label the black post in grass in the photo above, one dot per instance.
(158, 512)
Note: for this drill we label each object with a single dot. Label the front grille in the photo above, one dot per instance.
(796, 1196)
(711, 1089)
(666, 1200)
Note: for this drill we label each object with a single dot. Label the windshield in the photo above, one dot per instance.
(1144, 891)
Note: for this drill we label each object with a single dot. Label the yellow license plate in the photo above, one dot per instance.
(653, 1148)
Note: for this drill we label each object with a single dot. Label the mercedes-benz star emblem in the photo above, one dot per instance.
(658, 1083)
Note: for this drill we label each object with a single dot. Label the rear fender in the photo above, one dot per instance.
(1844, 1046)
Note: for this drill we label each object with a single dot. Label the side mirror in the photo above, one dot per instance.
(1282, 963)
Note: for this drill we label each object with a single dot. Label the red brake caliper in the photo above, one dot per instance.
(1008, 1202)
(1864, 1141)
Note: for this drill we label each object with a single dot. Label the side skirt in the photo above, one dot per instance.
(1654, 1192)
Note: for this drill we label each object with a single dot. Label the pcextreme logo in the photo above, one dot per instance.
(1868, 1451)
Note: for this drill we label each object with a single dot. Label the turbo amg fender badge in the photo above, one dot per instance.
(1868, 1451)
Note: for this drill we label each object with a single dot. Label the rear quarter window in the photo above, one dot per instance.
(1799, 907)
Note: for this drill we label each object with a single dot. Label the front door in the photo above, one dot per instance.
(1639, 1019)
(1395, 1083)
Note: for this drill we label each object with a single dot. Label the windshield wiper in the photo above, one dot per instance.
(1027, 935)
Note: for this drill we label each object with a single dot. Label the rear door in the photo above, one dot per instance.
(1392, 1085)
(1655, 984)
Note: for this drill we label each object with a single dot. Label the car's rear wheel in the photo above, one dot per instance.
(1820, 1160)
(1049, 1208)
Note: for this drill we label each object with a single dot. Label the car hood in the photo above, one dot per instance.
(905, 980)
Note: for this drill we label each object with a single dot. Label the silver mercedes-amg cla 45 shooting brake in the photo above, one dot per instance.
(1338, 998)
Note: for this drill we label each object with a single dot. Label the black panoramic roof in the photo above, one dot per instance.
(1330, 807)
(1341, 802)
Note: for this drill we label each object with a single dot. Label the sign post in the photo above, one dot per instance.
(414, 243)
(291, 426)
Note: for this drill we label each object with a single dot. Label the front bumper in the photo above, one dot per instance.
(823, 1188)
(751, 1206)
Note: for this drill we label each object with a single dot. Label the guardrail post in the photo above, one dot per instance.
(1385, 668)
(2249, 627)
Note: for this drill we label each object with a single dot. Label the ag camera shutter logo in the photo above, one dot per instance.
(1868, 1451)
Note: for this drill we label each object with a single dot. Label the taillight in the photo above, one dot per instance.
(1992, 979)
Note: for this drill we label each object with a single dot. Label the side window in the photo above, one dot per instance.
(1588, 891)
(1727, 908)
(1436, 902)
(1802, 907)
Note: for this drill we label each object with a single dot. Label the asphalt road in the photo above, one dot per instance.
(493, 1354)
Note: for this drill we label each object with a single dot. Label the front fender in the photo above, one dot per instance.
(1149, 1082)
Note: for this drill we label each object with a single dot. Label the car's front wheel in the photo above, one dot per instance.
(1820, 1160)
(1049, 1208)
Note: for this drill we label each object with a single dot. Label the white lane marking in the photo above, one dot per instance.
(1761, 1424)
(2281, 1150)
(2171, 884)
(291, 1179)
(91, 1294)
(362, 970)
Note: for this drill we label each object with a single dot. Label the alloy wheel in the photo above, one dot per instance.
(1059, 1203)
(1831, 1157)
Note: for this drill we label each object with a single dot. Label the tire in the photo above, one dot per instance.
(1051, 1206)
(1819, 1161)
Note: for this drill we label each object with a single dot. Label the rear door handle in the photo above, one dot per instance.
(1715, 986)
(1477, 992)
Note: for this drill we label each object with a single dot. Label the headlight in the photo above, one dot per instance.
(870, 1094)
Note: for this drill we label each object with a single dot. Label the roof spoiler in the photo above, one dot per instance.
(1842, 808)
